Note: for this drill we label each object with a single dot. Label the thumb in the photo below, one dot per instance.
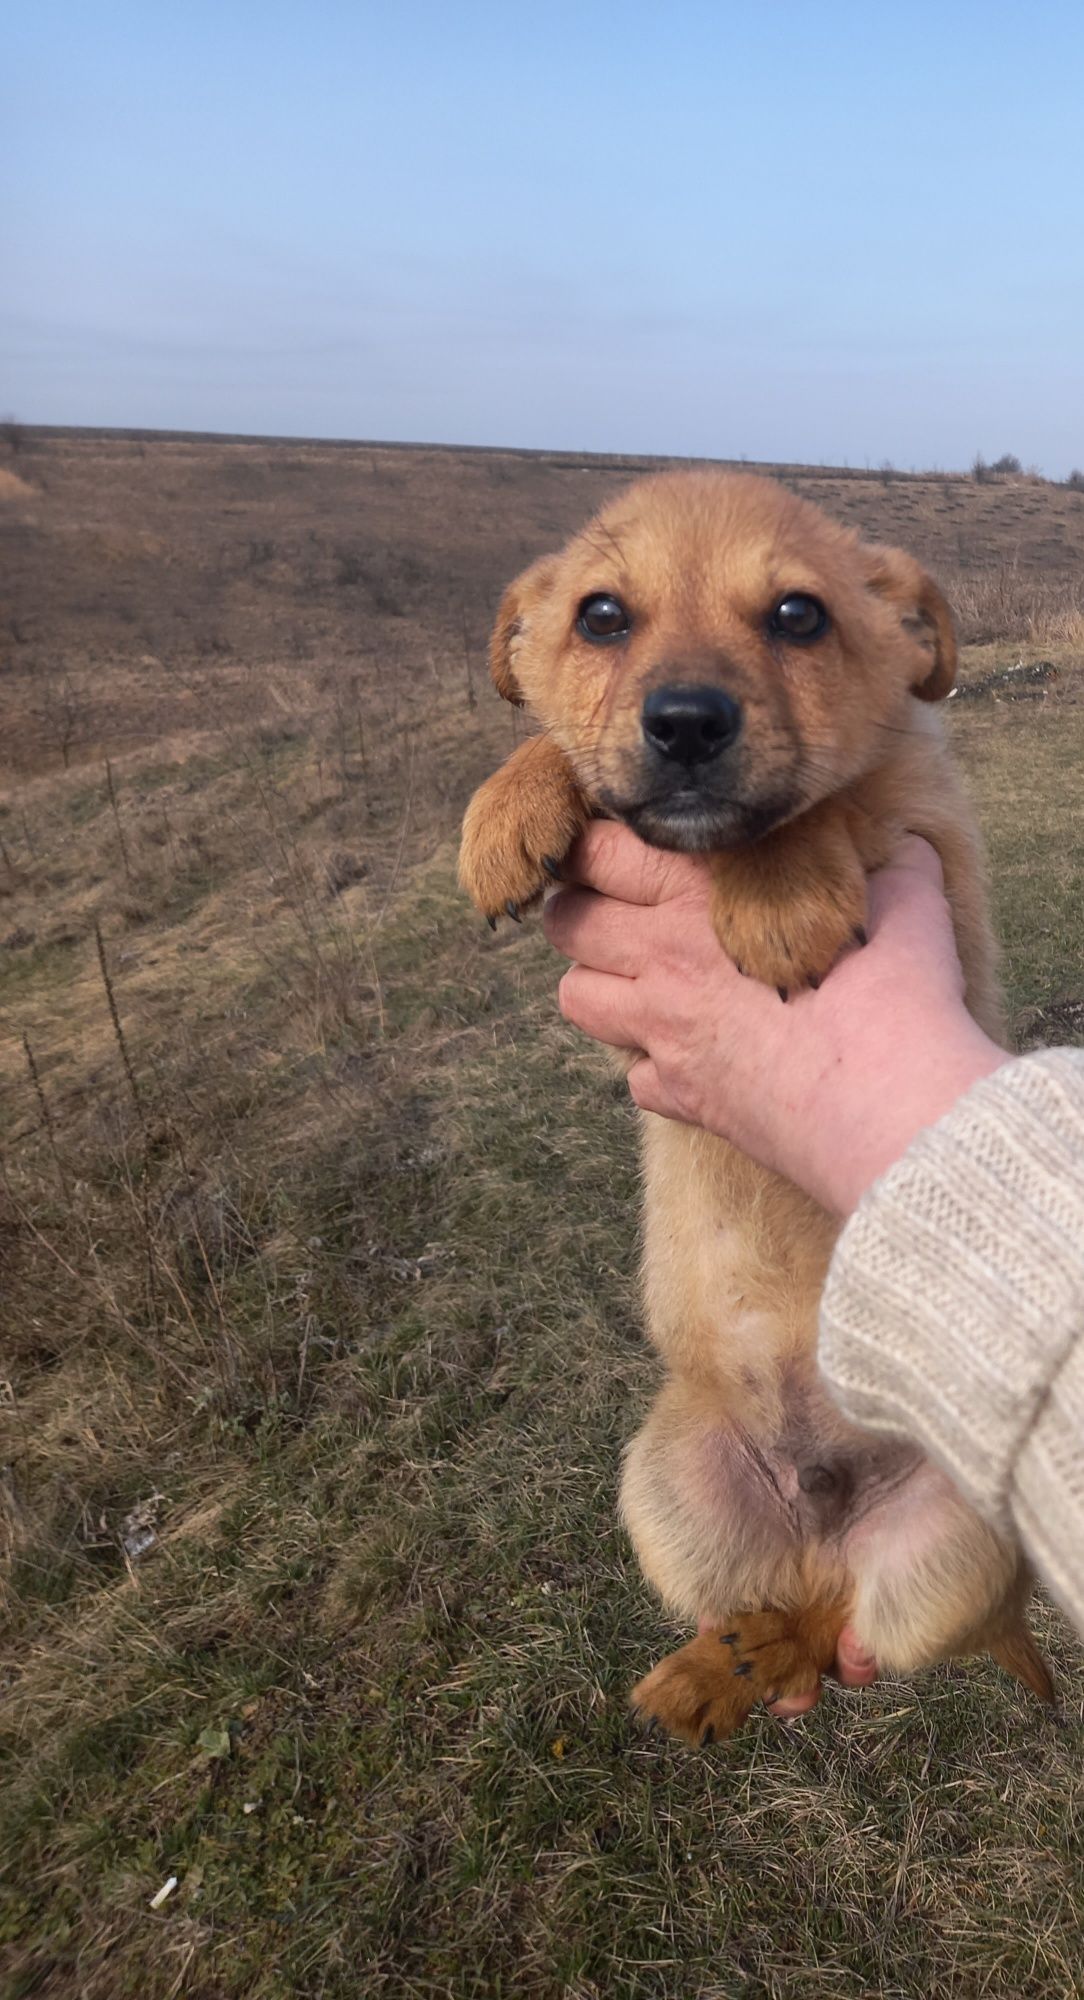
(645, 1089)
(919, 858)
(856, 1667)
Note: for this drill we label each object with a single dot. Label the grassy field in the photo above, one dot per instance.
(317, 1254)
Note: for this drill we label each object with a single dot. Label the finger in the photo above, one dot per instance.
(790, 1705)
(646, 1091)
(909, 895)
(855, 1665)
(600, 1005)
(597, 931)
(920, 857)
(609, 858)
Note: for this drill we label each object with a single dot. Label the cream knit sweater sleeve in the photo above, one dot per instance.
(954, 1308)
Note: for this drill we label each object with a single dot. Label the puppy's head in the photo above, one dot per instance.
(715, 655)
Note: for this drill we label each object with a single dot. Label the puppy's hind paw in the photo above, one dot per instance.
(706, 1690)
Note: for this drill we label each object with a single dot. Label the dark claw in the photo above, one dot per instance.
(745, 1668)
(728, 1638)
(812, 981)
(708, 1736)
(513, 911)
(551, 868)
(860, 934)
(769, 1698)
(782, 992)
(492, 922)
(739, 967)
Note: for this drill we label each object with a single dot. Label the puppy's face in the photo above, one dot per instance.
(715, 655)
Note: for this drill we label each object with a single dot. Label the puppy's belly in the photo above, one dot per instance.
(746, 1488)
(725, 1520)
(734, 1259)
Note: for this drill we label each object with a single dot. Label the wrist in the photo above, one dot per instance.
(912, 1087)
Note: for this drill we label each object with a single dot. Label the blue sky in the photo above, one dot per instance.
(821, 232)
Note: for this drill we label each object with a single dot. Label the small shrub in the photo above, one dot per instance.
(343, 869)
(1005, 467)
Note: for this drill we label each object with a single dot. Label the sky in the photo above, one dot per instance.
(812, 232)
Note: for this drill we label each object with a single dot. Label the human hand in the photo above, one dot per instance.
(828, 1090)
(854, 1668)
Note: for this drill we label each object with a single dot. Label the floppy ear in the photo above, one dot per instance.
(924, 614)
(512, 613)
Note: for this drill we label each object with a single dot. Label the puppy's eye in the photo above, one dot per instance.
(799, 616)
(602, 617)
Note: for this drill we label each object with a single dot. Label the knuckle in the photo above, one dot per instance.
(639, 1082)
(562, 916)
(566, 998)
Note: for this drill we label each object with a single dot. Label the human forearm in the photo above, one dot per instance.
(954, 1309)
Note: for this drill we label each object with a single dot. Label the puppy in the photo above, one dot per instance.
(718, 664)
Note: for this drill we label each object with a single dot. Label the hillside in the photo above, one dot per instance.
(317, 1254)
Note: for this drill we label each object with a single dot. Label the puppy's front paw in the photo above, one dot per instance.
(518, 828)
(707, 1690)
(792, 944)
(786, 908)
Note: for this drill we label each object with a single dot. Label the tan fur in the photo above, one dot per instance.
(843, 734)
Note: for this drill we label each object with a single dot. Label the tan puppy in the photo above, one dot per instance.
(719, 665)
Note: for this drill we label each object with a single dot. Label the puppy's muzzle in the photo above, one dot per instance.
(690, 725)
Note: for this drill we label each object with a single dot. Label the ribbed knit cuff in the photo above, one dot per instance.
(956, 1295)
(1047, 1492)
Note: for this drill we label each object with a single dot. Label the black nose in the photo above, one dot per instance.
(690, 724)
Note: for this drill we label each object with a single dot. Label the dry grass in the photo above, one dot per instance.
(320, 1345)
(1010, 602)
